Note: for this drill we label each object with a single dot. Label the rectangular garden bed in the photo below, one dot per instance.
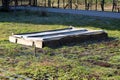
(53, 38)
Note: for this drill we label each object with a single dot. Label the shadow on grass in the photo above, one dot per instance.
(86, 42)
(28, 17)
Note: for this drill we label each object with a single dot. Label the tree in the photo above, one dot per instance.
(102, 4)
(5, 5)
(86, 5)
(49, 3)
(96, 2)
(115, 2)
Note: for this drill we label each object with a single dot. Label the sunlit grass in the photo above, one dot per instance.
(88, 60)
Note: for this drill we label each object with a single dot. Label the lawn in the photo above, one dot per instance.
(91, 60)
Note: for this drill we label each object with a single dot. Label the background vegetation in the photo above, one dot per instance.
(76, 4)
(91, 60)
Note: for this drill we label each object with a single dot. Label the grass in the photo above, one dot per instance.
(90, 60)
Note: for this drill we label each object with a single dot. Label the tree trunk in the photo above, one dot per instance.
(86, 5)
(45, 3)
(58, 3)
(49, 3)
(30, 2)
(16, 2)
(102, 4)
(5, 5)
(70, 4)
(96, 5)
(63, 3)
(34, 2)
(115, 2)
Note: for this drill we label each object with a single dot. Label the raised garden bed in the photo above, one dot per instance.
(53, 38)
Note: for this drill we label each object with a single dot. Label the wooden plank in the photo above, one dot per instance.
(58, 33)
(13, 39)
(23, 34)
(39, 44)
(49, 33)
(57, 37)
(21, 41)
(25, 42)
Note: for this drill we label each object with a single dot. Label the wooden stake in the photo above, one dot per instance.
(35, 51)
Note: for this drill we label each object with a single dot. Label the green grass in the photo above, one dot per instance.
(91, 60)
